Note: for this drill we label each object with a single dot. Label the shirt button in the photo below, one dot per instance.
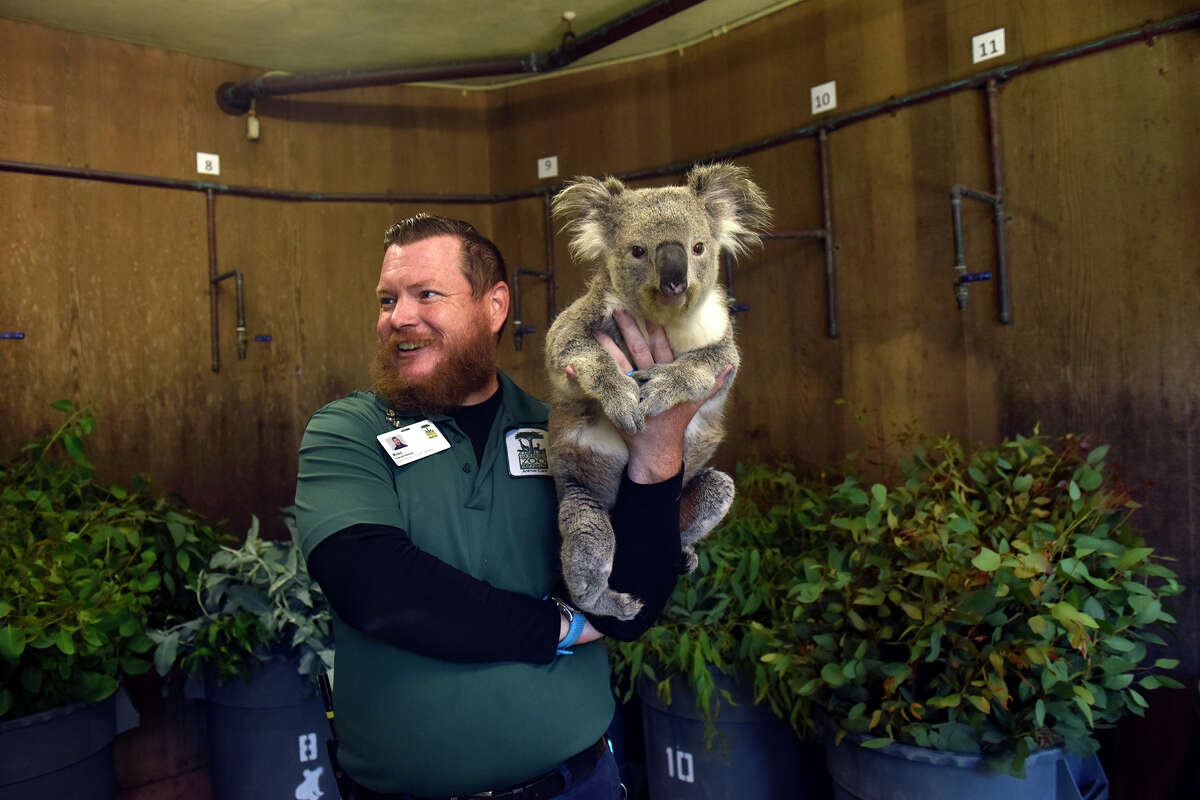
(466, 467)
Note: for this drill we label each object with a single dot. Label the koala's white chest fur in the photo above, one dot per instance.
(707, 323)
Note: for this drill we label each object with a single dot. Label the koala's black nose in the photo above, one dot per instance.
(672, 268)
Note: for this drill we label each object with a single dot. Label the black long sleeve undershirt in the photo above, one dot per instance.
(382, 584)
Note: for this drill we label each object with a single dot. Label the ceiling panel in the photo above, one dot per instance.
(320, 35)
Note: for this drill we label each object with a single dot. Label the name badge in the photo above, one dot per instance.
(527, 452)
(412, 442)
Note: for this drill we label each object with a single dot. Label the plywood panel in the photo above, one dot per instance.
(110, 282)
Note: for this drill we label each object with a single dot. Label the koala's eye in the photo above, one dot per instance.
(637, 251)
(698, 248)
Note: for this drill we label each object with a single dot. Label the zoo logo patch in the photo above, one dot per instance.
(527, 455)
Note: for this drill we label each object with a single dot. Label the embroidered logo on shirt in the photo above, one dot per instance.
(527, 452)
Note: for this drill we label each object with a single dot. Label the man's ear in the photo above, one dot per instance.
(497, 305)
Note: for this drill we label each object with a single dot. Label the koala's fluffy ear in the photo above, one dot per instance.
(584, 206)
(737, 207)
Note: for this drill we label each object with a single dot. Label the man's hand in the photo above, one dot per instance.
(655, 452)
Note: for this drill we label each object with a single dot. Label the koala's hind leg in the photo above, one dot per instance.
(588, 546)
(704, 503)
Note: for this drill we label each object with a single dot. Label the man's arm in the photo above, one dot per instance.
(379, 582)
(382, 584)
(645, 519)
(648, 559)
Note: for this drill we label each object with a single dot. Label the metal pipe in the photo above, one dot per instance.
(235, 98)
(960, 258)
(615, 30)
(241, 308)
(982, 197)
(551, 282)
(1002, 73)
(995, 146)
(212, 282)
(518, 323)
(830, 251)
(795, 235)
(961, 277)
(520, 329)
(889, 106)
(153, 181)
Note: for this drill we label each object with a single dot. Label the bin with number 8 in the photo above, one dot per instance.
(266, 736)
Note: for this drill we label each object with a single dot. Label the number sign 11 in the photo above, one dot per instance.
(987, 45)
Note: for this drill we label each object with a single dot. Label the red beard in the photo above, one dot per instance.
(465, 368)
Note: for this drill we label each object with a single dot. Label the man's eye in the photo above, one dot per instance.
(386, 302)
(428, 294)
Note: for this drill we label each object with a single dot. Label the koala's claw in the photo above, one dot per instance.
(626, 416)
(690, 561)
(623, 606)
(655, 398)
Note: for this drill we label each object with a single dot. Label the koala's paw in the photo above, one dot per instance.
(690, 561)
(660, 390)
(621, 605)
(622, 407)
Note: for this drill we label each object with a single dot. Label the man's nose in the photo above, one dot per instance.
(403, 314)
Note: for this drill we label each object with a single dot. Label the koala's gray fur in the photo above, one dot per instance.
(644, 243)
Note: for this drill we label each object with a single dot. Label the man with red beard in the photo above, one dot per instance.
(459, 674)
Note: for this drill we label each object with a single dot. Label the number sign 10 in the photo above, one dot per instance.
(824, 97)
(680, 765)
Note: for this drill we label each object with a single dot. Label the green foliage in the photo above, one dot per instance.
(993, 601)
(85, 570)
(253, 602)
(720, 615)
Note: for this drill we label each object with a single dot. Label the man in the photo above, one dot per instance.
(457, 673)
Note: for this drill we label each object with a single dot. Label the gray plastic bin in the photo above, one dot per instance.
(899, 771)
(64, 753)
(266, 737)
(755, 756)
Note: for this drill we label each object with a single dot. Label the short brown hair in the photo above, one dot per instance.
(482, 263)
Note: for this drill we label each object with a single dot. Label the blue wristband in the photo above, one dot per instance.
(573, 633)
(574, 627)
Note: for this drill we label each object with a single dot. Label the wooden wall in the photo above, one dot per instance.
(110, 283)
(1103, 199)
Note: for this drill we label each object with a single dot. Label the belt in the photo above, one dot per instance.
(543, 787)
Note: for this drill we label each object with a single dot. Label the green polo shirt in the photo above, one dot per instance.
(410, 723)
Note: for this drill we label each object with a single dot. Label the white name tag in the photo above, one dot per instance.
(412, 442)
(527, 452)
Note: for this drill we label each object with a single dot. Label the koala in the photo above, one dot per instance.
(657, 255)
(310, 788)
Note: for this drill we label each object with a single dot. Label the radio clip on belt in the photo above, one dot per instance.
(331, 744)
